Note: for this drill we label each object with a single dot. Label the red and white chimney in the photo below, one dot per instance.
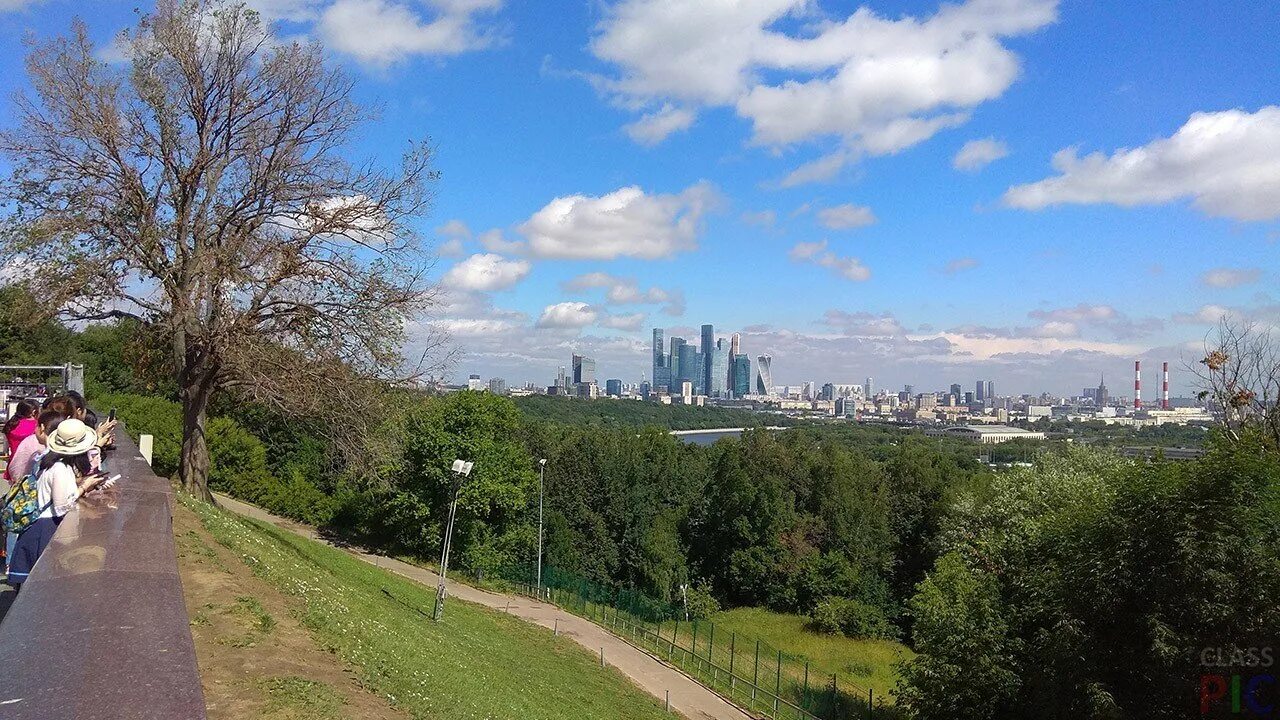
(1137, 384)
(1164, 389)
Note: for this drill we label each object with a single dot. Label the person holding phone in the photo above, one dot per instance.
(65, 474)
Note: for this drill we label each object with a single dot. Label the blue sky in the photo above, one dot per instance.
(609, 167)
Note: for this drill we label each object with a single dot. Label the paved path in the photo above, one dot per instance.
(688, 697)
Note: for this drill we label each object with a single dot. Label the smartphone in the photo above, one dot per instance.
(111, 415)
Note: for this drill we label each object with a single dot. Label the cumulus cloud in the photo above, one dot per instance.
(629, 322)
(625, 223)
(496, 241)
(1206, 315)
(850, 268)
(454, 235)
(1231, 277)
(1226, 163)
(960, 265)
(654, 127)
(381, 33)
(873, 84)
(568, 315)
(977, 154)
(1067, 323)
(763, 218)
(485, 272)
(862, 323)
(625, 291)
(846, 217)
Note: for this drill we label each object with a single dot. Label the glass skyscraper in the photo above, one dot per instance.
(741, 376)
(706, 348)
(661, 362)
(764, 375)
(692, 368)
(677, 345)
(718, 371)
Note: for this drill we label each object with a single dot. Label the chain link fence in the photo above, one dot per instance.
(746, 670)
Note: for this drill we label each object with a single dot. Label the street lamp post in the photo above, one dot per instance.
(461, 469)
(542, 470)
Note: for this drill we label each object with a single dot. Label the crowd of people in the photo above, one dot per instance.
(55, 456)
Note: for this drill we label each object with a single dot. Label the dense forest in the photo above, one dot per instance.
(1080, 585)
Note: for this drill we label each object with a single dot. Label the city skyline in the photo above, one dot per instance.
(1036, 194)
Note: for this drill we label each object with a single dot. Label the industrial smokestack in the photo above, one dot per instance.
(1164, 389)
(1137, 384)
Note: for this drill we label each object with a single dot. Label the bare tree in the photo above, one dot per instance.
(1240, 378)
(204, 191)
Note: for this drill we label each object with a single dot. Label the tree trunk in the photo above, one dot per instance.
(197, 387)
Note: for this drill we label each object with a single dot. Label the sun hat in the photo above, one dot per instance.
(72, 437)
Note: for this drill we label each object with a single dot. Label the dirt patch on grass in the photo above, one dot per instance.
(256, 660)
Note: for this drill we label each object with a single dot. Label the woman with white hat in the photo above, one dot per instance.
(65, 474)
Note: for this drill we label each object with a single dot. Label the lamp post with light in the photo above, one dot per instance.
(542, 470)
(461, 470)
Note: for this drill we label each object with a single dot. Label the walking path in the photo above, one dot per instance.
(688, 697)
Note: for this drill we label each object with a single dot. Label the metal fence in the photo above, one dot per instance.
(749, 672)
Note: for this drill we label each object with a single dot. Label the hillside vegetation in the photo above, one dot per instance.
(477, 664)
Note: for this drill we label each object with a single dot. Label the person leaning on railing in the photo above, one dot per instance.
(65, 474)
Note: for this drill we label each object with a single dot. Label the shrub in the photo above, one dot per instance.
(701, 603)
(853, 618)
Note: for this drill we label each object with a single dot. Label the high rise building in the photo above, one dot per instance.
(613, 387)
(764, 375)
(829, 391)
(497, 386)
(870, 389)
(706, 347)
(980, 391)
(1102, 396)
(807, 391)
(661, 361)
(474, 383)
(956, 391)
(741, 375)
(735, 349)
(674, 361)
(692, 368)
(910, 390)
(562, 381)
(718, 371)
(584, 370)
(991, 390)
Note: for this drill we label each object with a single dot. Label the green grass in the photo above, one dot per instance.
(295, 698)
(477, 664)
(867, 664)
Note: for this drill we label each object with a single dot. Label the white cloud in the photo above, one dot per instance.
(1206, 315)
(872, 83)
(624, 223)
(763, 218)
(850, 268)
(495, 241)
(1104, 317)
(381, 33)
(455, 234)
(863, 323)
(656, 126)
(16, 5)
(1227, 163)
(977, 154)
(630, 322)
(1231, 277)
(568, 315)
(960, 265)
(846, 217)
(625, 291)
(485, 272)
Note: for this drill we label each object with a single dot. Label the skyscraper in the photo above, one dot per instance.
(613, 387)
(741, 375)
(980, 391)
(661, 362)
(692, 368)
(584, 370)
(764, 375)
(991, 390)
(870, 391)
(706, 347)
(1103, 396)
(674, 360)
(718, 371)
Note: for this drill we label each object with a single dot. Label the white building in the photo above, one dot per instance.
(986, 434)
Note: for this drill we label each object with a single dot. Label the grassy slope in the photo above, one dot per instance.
(476, 664)
(861, 663)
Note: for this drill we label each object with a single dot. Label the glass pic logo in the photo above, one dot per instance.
(1238, 682)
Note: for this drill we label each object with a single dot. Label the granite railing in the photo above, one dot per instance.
(100, 629)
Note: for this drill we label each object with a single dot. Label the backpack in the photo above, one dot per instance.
(22, 505)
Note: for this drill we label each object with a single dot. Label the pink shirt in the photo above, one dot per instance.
(20, 462)
(25, 428)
